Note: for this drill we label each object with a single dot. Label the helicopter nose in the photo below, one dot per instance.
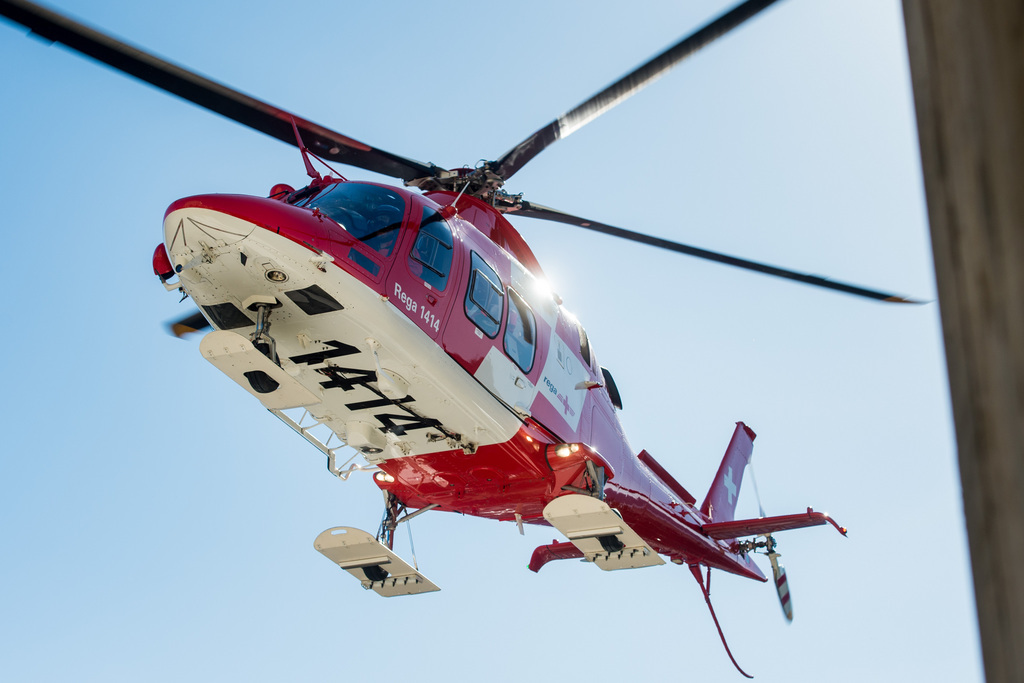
(198, 227)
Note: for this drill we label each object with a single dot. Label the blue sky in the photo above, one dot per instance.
(158, 523)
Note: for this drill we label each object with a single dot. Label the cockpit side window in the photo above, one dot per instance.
(520, 332)
(370, 213)
(485, 301)
(431, 255)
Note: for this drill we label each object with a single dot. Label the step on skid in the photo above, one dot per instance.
(374, 564)
(599, 533)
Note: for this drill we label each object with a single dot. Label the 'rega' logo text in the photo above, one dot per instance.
(564, 400)
(410, 304)
(417, 309)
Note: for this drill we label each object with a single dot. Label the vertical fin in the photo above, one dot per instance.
(720, 504)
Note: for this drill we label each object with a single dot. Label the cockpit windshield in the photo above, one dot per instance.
(370, 213)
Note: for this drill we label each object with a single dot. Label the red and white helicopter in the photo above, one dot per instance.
(415, 327)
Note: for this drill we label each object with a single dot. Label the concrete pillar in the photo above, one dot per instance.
(967, 64)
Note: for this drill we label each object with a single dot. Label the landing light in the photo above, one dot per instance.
(384, 477)
(564, 450)
(276, 276)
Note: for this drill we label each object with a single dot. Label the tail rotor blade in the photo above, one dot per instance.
(185, 326)
(781, 585)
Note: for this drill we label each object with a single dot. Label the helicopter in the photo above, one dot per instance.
(375, 370)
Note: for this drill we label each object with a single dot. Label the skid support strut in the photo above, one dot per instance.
(393, 509)
(260, 337)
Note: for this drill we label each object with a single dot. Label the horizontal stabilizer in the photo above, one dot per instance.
(767, 525)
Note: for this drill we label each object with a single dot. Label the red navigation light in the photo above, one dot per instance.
(280, 191)
(162, 267)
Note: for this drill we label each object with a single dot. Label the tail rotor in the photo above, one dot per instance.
(778, 569)
(781, 582)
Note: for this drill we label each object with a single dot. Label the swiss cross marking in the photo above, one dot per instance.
(565, 402)
(730, 485)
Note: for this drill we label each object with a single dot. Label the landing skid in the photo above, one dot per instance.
(375, 566)
(600, 534)
(239, 359)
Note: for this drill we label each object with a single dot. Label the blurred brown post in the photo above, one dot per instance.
(967, 64)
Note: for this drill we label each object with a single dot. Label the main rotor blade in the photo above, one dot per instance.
(625, 87)
(546, 213)
(214, 96)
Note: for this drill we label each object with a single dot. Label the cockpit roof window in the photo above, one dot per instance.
(370, 213)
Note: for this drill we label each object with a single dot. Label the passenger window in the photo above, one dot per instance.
(431, 255)
(520, 332)
(484, 299)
